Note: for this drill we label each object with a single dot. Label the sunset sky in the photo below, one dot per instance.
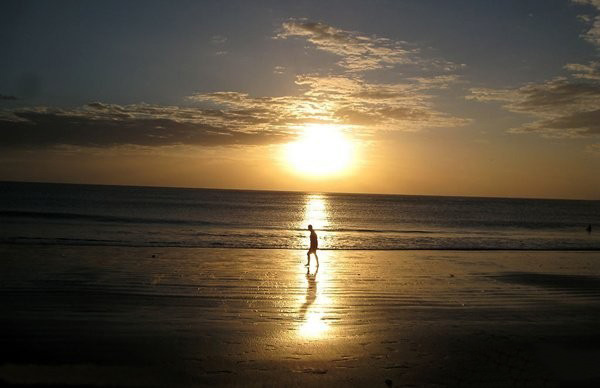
(477, 98)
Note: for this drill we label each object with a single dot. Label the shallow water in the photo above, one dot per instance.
(35, 213)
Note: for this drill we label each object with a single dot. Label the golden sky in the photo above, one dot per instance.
(484, 100)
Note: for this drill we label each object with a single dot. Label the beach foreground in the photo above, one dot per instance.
(122, 316)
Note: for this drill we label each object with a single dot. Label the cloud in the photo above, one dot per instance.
(218, 40)
(593, 149)
(359, 52)
(108, 125)
(590, 71)
(562, 107)
(347, 98)
(232, 117)
(343, 100)
(4, 97)
(593, 34)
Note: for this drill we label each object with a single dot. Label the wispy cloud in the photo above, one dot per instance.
(233, 117)
(346, 97)
(218, 41)
(593, 149)
(359, 52)
(593, 33)
(108, 125)
(589, 71)
(344, 100)
(561, 107)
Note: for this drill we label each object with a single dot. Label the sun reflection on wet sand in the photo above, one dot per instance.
(311, 315)
(315, 305)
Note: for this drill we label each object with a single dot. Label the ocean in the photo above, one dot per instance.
(69, 214)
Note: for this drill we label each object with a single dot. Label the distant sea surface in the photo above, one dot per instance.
(42, 213)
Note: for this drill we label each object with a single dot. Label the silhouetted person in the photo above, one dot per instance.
(589, 228)
(314, 244)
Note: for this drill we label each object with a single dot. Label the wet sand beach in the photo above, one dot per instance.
(121, 316)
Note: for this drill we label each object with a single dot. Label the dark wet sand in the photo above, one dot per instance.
(107, 316)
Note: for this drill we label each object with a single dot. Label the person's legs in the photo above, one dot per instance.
(317, 257)
(308, 259)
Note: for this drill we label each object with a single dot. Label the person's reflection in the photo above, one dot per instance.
(311, 292)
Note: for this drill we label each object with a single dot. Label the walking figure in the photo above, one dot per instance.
(314, 244)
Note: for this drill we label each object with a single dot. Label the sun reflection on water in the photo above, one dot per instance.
(315, 211)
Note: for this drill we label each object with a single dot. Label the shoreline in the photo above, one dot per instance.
(305, 249)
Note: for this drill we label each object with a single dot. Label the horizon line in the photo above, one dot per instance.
(299, 191)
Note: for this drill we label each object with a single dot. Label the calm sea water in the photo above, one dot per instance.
(39, 213)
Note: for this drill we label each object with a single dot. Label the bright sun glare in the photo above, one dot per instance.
(322, 150)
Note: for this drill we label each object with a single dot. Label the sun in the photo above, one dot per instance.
(322, 150)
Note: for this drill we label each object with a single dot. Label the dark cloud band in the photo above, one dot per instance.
(43, 129)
